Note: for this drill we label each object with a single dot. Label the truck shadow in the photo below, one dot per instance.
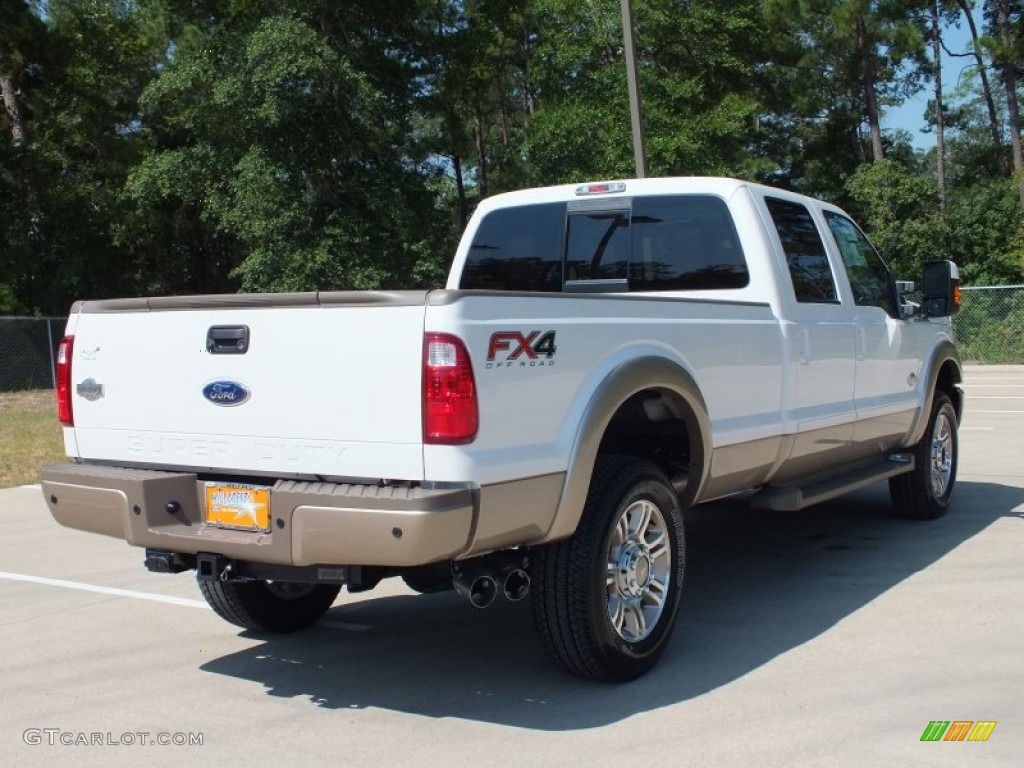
(759, 584)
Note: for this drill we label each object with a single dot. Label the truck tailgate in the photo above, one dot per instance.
(328, 384)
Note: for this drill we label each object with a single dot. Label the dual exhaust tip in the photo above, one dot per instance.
(480, 582)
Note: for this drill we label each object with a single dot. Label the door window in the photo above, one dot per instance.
(869, 277)
(809, 269)
(685, 242)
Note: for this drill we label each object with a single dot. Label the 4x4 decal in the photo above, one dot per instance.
(509, 349)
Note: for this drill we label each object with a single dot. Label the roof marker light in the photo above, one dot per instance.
(603, 188)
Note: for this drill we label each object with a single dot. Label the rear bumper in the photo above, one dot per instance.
(311, 523)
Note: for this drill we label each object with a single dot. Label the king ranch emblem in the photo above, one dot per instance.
(513, 349)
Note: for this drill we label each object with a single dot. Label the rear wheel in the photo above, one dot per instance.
(269, 606)
(605, 601)
(924, 493)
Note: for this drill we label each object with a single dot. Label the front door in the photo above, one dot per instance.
(889, 356)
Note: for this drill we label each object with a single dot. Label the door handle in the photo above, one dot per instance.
(227, 340)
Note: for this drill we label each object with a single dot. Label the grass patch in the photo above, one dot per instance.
(30, 436)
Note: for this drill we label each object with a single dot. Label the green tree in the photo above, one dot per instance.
(898, 208)
(859, 56)
(77, 72)
(1006, 43)
(23, 229)
(275, 132)
(700, 78)
(476, 98)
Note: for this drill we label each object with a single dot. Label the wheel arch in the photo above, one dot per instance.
(943, 373)
(630, 383)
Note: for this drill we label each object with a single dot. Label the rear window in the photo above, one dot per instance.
(517, 249)
(664, 243)
(685, 242)
(597, 245)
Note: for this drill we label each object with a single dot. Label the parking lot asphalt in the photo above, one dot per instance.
(828, 637)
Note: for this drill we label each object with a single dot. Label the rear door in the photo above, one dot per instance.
(820, 339)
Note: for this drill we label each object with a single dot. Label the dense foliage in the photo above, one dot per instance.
(174, 146)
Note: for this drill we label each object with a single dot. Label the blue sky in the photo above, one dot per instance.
(909, 116)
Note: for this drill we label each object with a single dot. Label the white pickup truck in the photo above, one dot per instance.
(603, 357)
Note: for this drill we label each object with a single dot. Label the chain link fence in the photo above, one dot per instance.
(989, 329)
(28, 349)
(990, 324)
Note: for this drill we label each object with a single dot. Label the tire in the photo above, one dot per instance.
(924, 493)
(270, 607)
(605, 601)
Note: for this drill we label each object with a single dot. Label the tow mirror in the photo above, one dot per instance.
(940, 286)
(908, 308)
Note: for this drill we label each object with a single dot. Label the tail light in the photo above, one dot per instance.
(450, 415)
(64, 412)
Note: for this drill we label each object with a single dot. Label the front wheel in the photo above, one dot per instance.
(924, 493)
(605, 601)
(269, 606)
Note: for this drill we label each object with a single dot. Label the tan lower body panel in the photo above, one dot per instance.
(884, 432)
(377, 537)
(311, 523)
(516, 512)
(741, 466)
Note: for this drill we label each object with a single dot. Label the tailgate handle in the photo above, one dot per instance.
(227, 340)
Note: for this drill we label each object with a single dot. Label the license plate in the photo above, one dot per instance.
(246, 507)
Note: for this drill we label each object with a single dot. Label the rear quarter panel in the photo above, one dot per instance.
(531, 408)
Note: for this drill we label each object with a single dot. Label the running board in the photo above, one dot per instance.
(790, 498)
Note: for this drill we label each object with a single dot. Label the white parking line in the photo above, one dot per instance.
(348, 626)
(116, 592)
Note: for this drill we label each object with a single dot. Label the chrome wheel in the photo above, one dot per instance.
(639, 570)
(605, 600)
(941, 455)
(925, 492)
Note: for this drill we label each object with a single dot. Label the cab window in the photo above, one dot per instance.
(806, 257)
(685, 242)
(517, 249)
(869, 277)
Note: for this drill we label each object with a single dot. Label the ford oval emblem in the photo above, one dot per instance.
(226, 393)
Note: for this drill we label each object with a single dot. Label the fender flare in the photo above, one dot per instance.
(944, 352)
(624, 381)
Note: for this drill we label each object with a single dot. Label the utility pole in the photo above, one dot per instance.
(639, 149)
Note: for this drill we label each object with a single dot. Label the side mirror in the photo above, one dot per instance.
(940, 286)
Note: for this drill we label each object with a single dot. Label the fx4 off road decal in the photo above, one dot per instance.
(512, 349)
